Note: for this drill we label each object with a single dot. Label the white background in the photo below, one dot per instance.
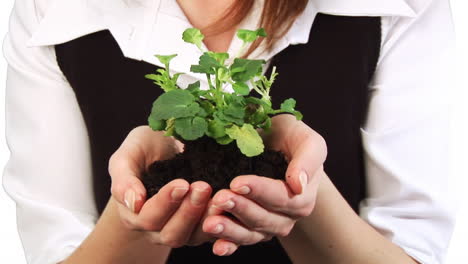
(10, 246)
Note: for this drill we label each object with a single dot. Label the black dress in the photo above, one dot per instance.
(329, 77)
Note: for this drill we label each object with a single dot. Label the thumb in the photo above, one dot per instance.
(305, 161)
(127, 187)
(297, 177)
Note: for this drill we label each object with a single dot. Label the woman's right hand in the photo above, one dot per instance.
(173, 216)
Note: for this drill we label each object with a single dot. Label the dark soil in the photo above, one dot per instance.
(206, 160)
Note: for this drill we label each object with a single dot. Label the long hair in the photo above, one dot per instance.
(277, 18)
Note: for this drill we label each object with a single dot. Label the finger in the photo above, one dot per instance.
(274, 195)
(141, 147)
(223, 247)
(306, 158)
(304, 148)
(253, 216)
(180, 226)
(199, 236)
(124, 169)
(230, 229)
(159, 209)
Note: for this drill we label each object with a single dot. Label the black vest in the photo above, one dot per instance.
(328, 77)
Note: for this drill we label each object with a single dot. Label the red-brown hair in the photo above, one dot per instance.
(277, 18)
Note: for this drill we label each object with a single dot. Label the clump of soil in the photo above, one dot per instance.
(206, 160)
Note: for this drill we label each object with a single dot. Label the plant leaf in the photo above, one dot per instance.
(216, 129)
(194, 36)
(193, 87)
(220, 57)
(243, 70)
(156, 125)
(224, 140)
(247, 138)
(190, 128)
(206, 64)
(250, 35)
(288, 105)
(227, 118)
(298, 115)
(241, 88)
(165, 59)
(207, 106)
(235, 110)
(176, 104)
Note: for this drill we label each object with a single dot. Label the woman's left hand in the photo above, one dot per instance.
(266, 207)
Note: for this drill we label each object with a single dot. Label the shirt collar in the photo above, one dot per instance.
(136, 25)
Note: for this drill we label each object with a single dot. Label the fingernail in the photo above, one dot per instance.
(231, 250)
(243, 190)
(178, 194)
(197, 196)
(303, 179)
(130, 199)
(218, 229)
(224, 252)
(228, 205)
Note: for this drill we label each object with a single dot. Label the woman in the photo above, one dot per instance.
(368, 77)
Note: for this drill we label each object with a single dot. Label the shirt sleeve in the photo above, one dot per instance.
(48, 173)
(406, 137)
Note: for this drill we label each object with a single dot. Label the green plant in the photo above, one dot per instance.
(192, 112)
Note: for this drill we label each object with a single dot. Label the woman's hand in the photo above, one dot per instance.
(172, 216)
(268, 207)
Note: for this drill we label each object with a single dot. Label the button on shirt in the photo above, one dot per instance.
(405, 137)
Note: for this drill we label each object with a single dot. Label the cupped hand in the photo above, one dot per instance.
(265, 207)
(172, 216)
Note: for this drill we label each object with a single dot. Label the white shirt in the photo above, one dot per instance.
(405, 138)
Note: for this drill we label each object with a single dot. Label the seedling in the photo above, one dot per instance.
(191, 113)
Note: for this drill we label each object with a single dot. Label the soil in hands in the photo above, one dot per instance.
(206, 160)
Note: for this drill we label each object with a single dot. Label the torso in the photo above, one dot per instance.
(328, 76)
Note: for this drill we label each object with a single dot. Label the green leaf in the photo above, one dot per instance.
(243, 70)
(220, 57)
(194, 36)
(206, 64)
(176, 104)
(194, 87)
(201, 69)
(247, 138)
(152, 76)
(227, 118)
(202, 112)
(207, 61)
(216, 129)
(266, 125)
(298, 115)
(241, 88)
(250, 35)
(163, 80)
(223, 74)
(224, 140)
(191, 128)
(176, 77)
(235, 110)
(207, 106)
(156, 125)
(259, 116)
(288, 105)
(165, 59)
